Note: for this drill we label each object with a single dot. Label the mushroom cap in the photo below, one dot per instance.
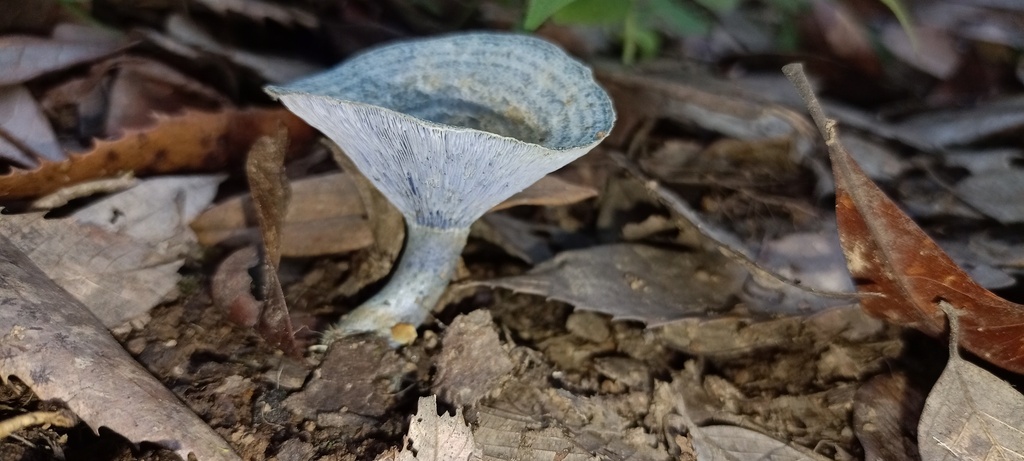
(448, 127)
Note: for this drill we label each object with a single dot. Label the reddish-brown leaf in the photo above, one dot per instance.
(903, 273)
(193, 141)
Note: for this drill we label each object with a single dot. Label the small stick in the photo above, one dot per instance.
(62, 418)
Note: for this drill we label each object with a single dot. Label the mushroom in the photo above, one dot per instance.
(446, 128)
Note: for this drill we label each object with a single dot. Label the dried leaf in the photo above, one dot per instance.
(941, 129)
(885, 414)
(514, 236)
(732, 443)
(472, 361)
(970, 413)
(25, 133)
(55, 345)
(634, 282)
(193, 141)
(508, 436)
(548, 191)
(436, 438)
(23, 58)
(121, 255)
(995, 193)
(325, 216)
(901, 271)
(231, 287)
(270, 193)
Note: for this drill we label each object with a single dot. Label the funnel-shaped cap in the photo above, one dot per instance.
(448, 127)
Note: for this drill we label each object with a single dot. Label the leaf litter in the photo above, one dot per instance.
(741, 172)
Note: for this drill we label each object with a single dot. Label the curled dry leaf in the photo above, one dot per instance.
(57, 347)
(901, 271)
(885, 414)
(634, 282)
(269, 187)
(193, 141)
(970, 413)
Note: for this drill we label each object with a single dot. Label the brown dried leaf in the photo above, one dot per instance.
(25, 133)
(269, 187)
(732, 443)
(634, 282)
(549, 191)
(885, 414)
(472, 361)
(23, 58)
(194, 141)
(325, 216)
(436, 438)
(902, 272)
(55, 345)
(970, 413)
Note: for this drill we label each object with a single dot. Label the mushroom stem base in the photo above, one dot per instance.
(427, 264)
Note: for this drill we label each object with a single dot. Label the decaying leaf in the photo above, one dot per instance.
(472, 361)
(970, 413)
(57, 347)
(25, 133)
(634, 282)
(513, 235)
(901, 271)
(436, 438)
(119, 256)
(886, 410)
(270, 193)
(193, 141)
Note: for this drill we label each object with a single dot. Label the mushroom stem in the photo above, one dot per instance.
(427, 265)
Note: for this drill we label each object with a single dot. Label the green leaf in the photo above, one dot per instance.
(538, 11)
(900, 11)
(676, 17)
(594, 12)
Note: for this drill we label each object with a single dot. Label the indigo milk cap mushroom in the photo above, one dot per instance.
(447, 128)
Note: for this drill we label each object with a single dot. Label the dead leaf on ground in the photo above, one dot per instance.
(633, 282)
(116, 256)
(548, 191)
(325, 216)
(25, 134)
(268, 185)
(193, 141)
(995, 193)
(731, 443)
(472, 361)
(970, 413)
(436, 438)
(961, 127)
(901, 271)
(55, 345)
(515, 236)
(23, 57)
(886, 410)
